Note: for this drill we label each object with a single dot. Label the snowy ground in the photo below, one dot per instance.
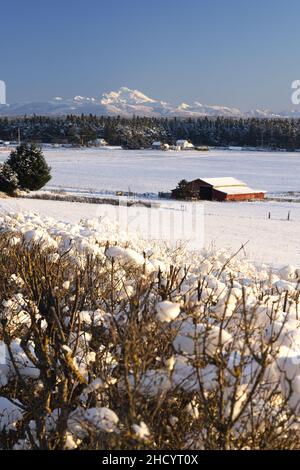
(226, 225)
(153, 171)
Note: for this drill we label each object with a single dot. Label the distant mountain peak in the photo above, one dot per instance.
(125, 96)
(184, 106)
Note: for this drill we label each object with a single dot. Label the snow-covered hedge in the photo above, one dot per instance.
(109, 342)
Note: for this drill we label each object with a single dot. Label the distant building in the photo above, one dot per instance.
(98, 142)
(184, 144)
(223, 189)
(101, 142)
(175, 147)
(157, 145)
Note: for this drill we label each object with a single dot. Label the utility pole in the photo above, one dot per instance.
(19, 136)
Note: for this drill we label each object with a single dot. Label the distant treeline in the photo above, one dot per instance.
(139, 132)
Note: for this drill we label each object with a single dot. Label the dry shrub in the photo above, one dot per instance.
(91, 365)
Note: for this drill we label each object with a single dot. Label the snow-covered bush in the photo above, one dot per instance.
(111, 343)
(28, 162)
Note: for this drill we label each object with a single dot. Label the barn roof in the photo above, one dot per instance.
(223, 182)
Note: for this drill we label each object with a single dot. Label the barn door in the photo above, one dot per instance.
(206, 192)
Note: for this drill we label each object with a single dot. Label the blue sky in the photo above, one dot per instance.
(236, 52)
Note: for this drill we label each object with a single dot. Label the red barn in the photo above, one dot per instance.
(223, 189)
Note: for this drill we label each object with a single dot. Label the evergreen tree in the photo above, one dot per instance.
(28, 162)
(9, 181)
(182, 191)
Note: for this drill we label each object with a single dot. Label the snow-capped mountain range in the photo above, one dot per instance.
(127, 102)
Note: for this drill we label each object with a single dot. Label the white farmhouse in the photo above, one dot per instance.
(184, 144)
(98, 142)
(101, 142)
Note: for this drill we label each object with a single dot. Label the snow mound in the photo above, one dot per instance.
(167, 311)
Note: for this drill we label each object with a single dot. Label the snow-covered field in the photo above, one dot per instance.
(273, 241)
(153, 171)
(226, 225)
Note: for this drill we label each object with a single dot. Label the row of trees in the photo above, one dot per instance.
(137, 132)
(25, 169)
